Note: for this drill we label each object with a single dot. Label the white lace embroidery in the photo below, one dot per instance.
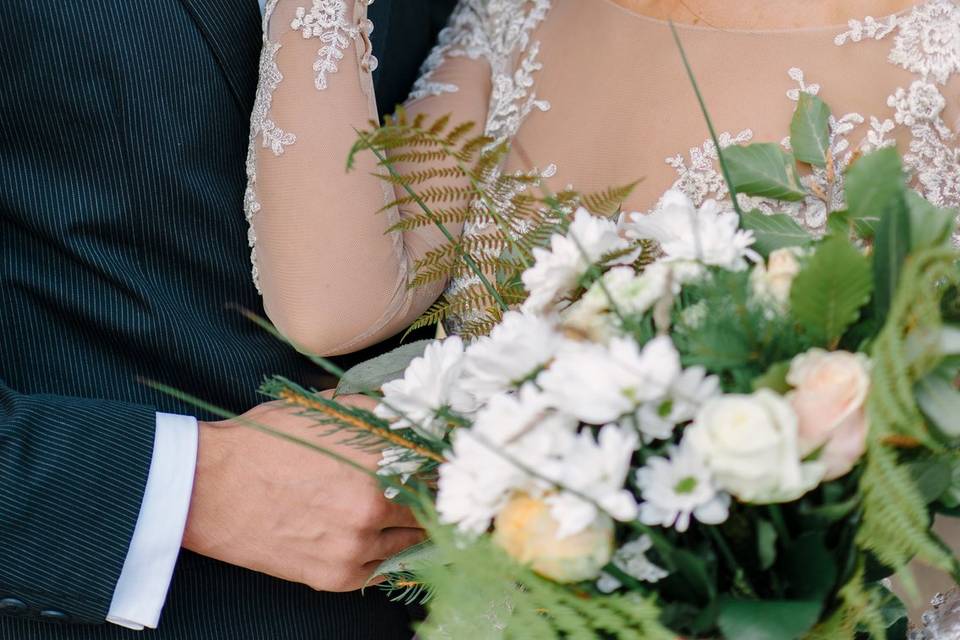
(499, 32)
(927, 43)
(327, 20)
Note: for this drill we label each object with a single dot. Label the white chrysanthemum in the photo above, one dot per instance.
(596, 469)
(429, 386)
(518, 445)
(690, 391)
(557, 272)
(632, 559)
(598, 384)
(675, 489)
(620, 290)
(481, 475)
(709, 235)
(515, 351)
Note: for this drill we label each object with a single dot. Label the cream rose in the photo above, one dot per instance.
(525, 529)
(772, 283)
(749, 442)
(830, 391)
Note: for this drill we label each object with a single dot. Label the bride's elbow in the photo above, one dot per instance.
(322, 332)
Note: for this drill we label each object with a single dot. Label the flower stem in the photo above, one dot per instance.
(740, 575)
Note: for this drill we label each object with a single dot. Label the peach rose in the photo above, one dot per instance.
(829, 396)
(527, 532)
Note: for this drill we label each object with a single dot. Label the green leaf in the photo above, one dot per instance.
(766, 544)
(775, 378)
(872, 182)
(810, 130)
(809, 567)
(373, 374)
(774, 231)
(930, 226)
(932, 477)
(764, 169)
(939, 400)
(839, 223)
(767, 619)
(827, 295)
(890, 249)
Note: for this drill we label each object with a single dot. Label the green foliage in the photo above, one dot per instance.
(481, 594)
(810, 130)
(827, 295)
(939, 400)
(895, 525)
(374, 373)
(872, 184)
(446, 177)
(930, 226)
(774, 231)
(764, 169)
(767, 619)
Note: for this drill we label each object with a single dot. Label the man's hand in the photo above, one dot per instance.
(277, 507)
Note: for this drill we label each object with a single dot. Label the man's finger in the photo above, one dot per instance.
(393, 541)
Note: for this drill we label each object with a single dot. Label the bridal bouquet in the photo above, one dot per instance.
(702, 422)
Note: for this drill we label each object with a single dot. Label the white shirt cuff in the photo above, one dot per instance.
(145, 578)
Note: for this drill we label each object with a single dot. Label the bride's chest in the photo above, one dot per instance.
(622, 108)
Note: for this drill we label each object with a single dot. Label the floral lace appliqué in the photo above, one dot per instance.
(926, 42)
(329, 21)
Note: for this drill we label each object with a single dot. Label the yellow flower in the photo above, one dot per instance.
(528, 533)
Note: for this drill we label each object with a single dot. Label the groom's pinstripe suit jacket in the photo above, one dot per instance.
(123, 132)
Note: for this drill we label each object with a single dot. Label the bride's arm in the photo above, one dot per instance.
(333, 280)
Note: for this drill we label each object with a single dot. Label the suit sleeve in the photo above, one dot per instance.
(72, 476)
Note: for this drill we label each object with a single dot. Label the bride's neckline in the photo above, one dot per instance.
(685, 26)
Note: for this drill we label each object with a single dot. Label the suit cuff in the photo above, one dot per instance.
(145, 578)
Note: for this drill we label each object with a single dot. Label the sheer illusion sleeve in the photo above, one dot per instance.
(332, 278)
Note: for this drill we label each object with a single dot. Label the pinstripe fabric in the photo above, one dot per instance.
(123, 128)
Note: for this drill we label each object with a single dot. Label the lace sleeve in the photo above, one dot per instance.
(333, 279)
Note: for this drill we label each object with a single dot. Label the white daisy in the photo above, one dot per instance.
(677, 488)
(689, 391)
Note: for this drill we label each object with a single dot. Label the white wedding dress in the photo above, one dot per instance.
(590, 95)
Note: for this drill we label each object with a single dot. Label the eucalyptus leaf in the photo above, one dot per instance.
(371, 375)
(809, 568)
(810, 130)
(767, 619)
(930, 226)
(872, 182)
(827, 295)
(774, 231)
(939, 400)
(764, 169)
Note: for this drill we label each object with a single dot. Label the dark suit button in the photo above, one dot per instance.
(49, 615)
(12, 606)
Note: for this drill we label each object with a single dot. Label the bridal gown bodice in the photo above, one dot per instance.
(589, 94)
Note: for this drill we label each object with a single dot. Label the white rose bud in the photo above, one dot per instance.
(525, 529)
(749, 442)
(772, 283)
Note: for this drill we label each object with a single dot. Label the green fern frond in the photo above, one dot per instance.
(415, 178)
(451, 215)
(477, 582)
(608, 202)
(895, 525)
